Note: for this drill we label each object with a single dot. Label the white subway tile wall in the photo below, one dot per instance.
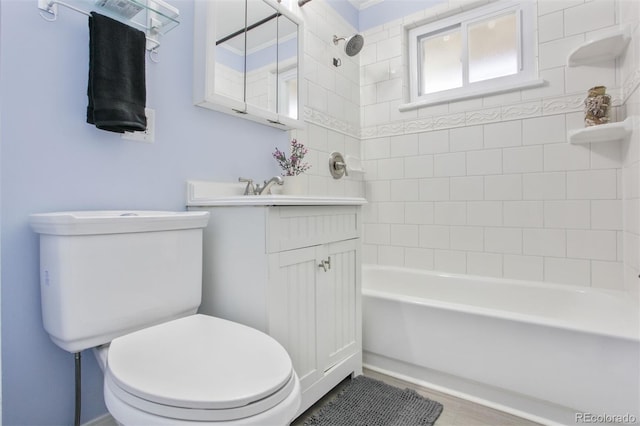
(332, 106)
(490, 186)
(486, 186)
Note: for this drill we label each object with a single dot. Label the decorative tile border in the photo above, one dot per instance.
(333, 123)
(563, 105)
(517, 111)
(484, 116)
(520, 111)
(419, 126)
(368, 132)
(390, 129)
(448, 121)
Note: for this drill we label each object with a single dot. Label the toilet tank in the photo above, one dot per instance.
(104, 274)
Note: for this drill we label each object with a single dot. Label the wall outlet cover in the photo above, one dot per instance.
(147, 135)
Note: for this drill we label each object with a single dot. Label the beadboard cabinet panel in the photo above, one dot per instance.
(293, 288)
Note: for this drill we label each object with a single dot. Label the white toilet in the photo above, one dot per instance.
(128, 284)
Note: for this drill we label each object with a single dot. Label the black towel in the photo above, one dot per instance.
(116, 90)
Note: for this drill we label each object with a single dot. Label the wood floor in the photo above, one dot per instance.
(456, 412)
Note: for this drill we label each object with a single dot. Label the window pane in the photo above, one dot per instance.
(493, 50)
(440, 66)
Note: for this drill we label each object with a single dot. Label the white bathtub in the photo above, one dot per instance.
(538, 350)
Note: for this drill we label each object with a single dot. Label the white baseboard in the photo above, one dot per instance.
(104, 420)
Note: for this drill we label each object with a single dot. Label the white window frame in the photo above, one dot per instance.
(526, 77)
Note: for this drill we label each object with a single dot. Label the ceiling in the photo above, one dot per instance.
(363, 4)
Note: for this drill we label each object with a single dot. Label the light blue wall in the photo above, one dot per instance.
(379, 13)
(52, 160)
(347, 11)
(390, 10)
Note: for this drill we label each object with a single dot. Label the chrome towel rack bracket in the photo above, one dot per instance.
(154, 17)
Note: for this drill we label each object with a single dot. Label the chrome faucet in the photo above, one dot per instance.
(266, 188)
(256, 189)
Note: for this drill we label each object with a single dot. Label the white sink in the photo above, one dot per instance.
(202, 193)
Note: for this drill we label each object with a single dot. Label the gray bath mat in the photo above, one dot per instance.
(369, 402)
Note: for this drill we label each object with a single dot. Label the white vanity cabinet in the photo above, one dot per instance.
(294, 273)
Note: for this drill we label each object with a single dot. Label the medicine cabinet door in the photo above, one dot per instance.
(288, 92)
(247, 60)
(219, 52)
(261, 59)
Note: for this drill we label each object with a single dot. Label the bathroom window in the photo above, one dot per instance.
(482, 51)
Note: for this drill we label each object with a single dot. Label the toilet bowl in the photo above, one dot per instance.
(128, 285)
(205, 370)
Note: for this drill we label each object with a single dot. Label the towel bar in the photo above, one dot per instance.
(161, 17)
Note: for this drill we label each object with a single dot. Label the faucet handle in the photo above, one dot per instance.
(249, 189)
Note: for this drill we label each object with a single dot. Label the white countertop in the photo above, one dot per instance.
(204, 194)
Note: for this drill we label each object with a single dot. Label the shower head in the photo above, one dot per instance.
(352, 45)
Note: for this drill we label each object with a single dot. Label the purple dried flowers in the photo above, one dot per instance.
(292, 166)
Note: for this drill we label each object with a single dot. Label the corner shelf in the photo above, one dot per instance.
(604, 47)
(609, 132)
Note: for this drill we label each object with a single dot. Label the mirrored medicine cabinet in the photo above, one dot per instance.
(248, 60)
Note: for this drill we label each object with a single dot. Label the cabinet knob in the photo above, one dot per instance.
(325, 264)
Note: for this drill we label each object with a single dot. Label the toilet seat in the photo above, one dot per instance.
(200, 368)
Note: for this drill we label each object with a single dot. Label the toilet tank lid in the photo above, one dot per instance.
(115, 221)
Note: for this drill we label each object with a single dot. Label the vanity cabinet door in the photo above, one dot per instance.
(314, 304)
(293, 286)
(338, 296)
